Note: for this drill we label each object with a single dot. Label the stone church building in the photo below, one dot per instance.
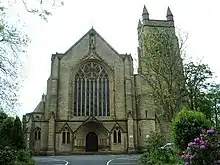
(94, 101)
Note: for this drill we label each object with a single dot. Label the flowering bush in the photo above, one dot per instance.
(203, 150)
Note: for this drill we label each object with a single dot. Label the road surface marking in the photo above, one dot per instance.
(66, 163)
(122, 163)
(123, 158)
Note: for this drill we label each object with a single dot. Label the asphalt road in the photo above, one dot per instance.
(88, 160)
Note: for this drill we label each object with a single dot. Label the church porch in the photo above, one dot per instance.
(91, 137)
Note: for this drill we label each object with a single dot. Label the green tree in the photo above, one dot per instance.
(162, 68)
(205, 105)
(186, 126)
(18, 135)
(3, 116)
(6, 132)
(197, 81)
(209, 103)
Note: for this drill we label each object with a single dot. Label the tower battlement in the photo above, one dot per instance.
(147, 22)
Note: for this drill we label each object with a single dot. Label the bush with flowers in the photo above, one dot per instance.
(204, 149)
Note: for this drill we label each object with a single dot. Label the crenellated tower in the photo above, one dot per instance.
(145, 104)
(147, 25)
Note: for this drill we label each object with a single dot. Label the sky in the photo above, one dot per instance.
(116, 21)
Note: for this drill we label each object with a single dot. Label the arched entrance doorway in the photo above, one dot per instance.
(91, 142)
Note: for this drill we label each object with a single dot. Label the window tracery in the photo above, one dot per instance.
(66, 135)
(117, 135)
(91, 92)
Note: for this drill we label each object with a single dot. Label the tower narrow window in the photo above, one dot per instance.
(91, 91)
(146, 114)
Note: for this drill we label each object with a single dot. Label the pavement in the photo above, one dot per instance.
(88, 160)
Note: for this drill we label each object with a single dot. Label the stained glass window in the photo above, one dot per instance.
(91, 91)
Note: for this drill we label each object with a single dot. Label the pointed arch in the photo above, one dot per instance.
(118, 126)
(37, 133)
(66, 135)
(91, 90)
(117, 135)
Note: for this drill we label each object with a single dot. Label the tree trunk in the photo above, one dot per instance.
(165, 129)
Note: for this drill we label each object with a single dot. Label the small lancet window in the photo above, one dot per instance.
(146, 114)
(117, 135)
(66, 135)
(63, 137)
(37, 134)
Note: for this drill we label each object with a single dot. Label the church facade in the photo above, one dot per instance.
(94, 101)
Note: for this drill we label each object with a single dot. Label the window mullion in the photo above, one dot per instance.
(97, 97)
(81, 100)
(77, 98)
(93, 97)
(102, 91)
(106, 97)
(66, 137)
(90, 97)
(85, 98)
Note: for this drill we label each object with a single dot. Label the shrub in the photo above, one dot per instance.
(204, 149)
(12, 142)
(24, 157)
(186, 126)
(154, 155)
(154, 141)
(7, 156)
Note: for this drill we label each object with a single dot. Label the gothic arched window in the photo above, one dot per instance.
(117, 135)
(37, 133)
(91, 91)
(66, 135)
